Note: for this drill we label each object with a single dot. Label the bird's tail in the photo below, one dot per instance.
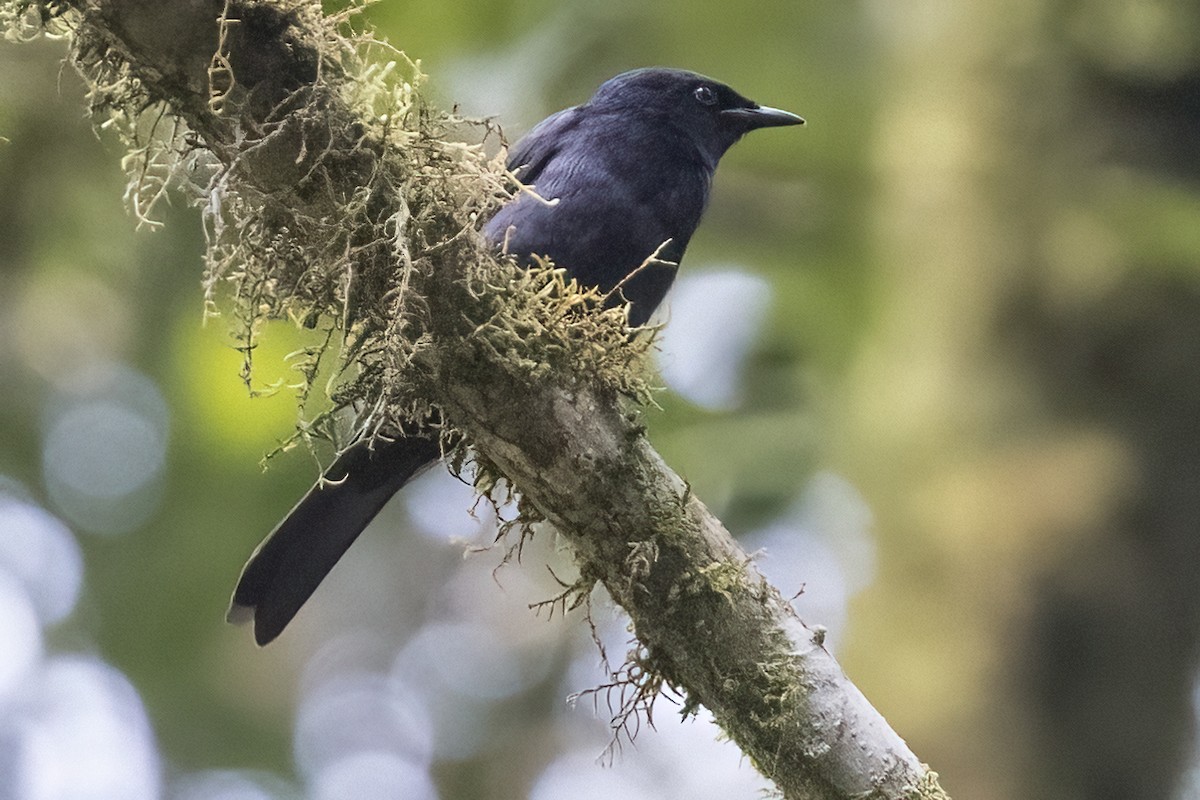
(292, 561)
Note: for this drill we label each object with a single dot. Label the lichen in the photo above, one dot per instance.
(629, 696)
(930, 788)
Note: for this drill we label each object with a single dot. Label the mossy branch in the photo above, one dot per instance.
(336, 197)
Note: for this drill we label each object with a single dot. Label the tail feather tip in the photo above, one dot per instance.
(239, 614)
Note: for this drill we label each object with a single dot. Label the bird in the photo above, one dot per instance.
(619, 183)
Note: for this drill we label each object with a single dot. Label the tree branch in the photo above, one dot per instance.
(323, 183)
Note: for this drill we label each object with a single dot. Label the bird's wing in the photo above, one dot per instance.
(529, 156)
(293, 560)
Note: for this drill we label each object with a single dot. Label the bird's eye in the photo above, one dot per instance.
(705, 95)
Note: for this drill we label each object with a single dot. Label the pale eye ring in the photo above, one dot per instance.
(705, 95)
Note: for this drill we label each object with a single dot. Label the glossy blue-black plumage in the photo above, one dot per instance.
(619, 179)
(625, 176)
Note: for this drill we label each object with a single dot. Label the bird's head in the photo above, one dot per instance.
(706, 111)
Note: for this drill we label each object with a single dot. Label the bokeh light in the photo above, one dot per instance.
(41, 552)
(104, 449)
(70, 725)
(355, 713)
(715, 316)
(374, 776)
(20, 637)
(459, 668)
(443, 508)
(821, 550)
(83, 732)
(676, 758)
(576, 775)
(231, 785)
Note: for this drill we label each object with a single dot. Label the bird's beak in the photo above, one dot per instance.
(762, 117)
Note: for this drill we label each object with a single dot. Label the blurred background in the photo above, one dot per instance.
(935, 357)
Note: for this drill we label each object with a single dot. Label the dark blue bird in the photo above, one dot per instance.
(628, 174)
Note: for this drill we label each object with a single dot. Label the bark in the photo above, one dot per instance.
(710, 625)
